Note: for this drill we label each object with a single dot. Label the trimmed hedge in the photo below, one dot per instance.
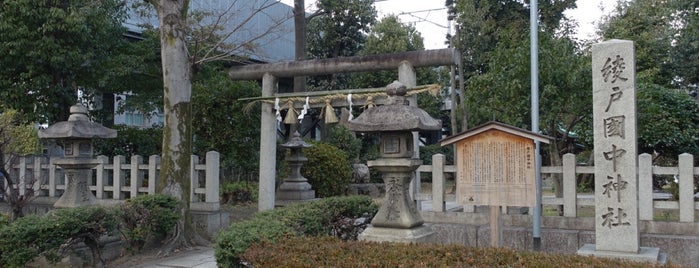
(54, 234)
(316, 218)
(147, 217)
(31, 236)
(240, 192)
(327, 170)
(333, 252)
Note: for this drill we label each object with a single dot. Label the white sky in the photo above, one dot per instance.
(430, 17)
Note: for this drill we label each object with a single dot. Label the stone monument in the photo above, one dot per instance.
(76, 135)
(398, 219)
(616, 158)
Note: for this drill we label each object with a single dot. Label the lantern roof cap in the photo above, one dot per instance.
(396, 115)
(296, 142)
(78, 126)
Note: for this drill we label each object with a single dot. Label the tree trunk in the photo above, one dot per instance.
(174, 177)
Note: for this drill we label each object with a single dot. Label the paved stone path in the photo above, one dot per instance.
(200, 258)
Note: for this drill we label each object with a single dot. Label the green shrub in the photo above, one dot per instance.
(4, 220)
(232, 242)
(332, 252)
(315, 218)
(31, 236)
(345, 140)
(147, 217)
(240, 192)
(327, 169)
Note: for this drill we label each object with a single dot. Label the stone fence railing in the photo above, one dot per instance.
(685, 171)
(119, 179)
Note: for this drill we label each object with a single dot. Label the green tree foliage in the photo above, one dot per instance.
(339, 30)
(565, 81)
(222, 123)
(345, 140)
(131, 141)
(479, 22)
(668, 125)
(684, 54)
(647, 23)
(495, 45)
(666, 64)
(16, 137)
(50, 49)
(390, 35)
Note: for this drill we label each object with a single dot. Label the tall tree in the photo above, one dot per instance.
(16, 139)
(50, 49)
(684, 54)
(648, 23)
(211, 39)
(177, 111)
(339, 30)
(390, 35)
(494, 39)
(665, 41)
(480, 25)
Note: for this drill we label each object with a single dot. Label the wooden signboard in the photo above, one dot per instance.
(496, 165)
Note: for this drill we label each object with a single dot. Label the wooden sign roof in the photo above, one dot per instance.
(493, 125)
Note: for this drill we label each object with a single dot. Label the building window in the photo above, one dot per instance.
(134, 119)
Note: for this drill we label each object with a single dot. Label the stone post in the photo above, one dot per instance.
(268, 146)
(615, 147)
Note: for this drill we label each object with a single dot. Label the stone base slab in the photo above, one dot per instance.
(645, 254)
(295, 195)
(413, 235)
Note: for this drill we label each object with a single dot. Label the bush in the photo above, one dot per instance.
(241, 192)
(332, 252)
(315, 218)
(345, 140)
(327, 169)
(50, 234)
(4, 220)
(147, 217)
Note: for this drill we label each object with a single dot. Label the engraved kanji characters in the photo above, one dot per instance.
(614, 68)
(615, 96)
(614, 217)
(613, 76)
(615, 184)
(614, 126)
(613, 155)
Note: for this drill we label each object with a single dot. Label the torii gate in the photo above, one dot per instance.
(269, 73)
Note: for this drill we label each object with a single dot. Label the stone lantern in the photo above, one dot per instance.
(295, 187)
(76, 136)
(397, 219)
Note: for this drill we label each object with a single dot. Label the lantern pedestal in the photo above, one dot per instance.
(77, 192)
(398, 219)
